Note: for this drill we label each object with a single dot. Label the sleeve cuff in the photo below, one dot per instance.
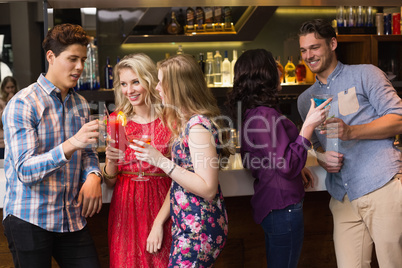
(303, 142)
(58, 156)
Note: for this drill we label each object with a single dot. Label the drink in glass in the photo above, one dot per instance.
(147, 140)
(320, 99)
(117, 131)
(102, 121)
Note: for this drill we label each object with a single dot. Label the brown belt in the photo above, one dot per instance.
(144, 174)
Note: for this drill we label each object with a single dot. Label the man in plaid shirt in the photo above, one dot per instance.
(53, 176)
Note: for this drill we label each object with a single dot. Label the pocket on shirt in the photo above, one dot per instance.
(348, 102)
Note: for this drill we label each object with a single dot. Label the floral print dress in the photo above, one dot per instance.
(199, 227)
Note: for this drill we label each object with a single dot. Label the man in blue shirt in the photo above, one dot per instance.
(356, 148)
(53, 176)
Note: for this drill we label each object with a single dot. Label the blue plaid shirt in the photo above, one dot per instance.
(42, 185)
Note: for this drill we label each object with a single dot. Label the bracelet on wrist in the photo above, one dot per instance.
(107, 176)
(171, 170)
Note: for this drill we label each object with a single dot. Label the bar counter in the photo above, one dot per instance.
(235, 180)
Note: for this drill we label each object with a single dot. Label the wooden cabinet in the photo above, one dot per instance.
(354, 49)
(384, 51)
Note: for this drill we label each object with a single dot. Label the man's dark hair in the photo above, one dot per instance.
(63, 35)
(321, 28)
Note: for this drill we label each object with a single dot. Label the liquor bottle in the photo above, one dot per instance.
(280, 67)
(310, 77)
(370, 18)
(350, 15)
(360, 14)
(290, 72)
(200, 18)
(209, 18)
(201, 62)
(226, 81)
(300, 72)
(232, 65)
(340, 16)
(108, 74)
(190, 20)
(81, 83)
(181, 19)
(218, 19)
(217, 69)
(174, 27)
(93, 79)
(228, 18)
(179, 50)
(209, 70)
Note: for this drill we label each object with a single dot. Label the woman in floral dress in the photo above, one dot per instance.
(136, 202)
(197, 207)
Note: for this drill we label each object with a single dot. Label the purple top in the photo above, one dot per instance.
(273, 150)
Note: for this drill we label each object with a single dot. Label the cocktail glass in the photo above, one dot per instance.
(118, 135)
(320, 99)
(147, 139)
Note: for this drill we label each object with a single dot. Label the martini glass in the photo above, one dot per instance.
(320, 99)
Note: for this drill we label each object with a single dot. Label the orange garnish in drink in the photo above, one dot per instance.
(121, 117)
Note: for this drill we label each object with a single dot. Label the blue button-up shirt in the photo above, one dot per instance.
(42, 185)
(361, 94)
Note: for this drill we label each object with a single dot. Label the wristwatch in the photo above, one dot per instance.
(97, 173)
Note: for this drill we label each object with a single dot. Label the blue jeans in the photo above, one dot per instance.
(32, 246)
(284, 232)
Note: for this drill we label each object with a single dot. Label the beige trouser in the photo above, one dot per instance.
(373, 218)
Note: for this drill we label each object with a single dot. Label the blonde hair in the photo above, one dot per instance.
(146, 71)
(186, 94)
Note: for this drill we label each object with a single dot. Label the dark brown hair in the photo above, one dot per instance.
(320, 27)
(256, 82)
(63, 35)
(3, 94)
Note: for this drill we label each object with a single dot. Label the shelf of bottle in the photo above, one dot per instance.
(198, 37)
(214, 29)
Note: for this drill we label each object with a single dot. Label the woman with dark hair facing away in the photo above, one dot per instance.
(275, 152)
(197, 207)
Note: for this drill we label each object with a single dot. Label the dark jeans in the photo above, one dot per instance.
(284, 232)
(33, 246)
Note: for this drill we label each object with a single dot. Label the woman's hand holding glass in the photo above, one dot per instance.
(147, 153)
(319, 99)
(317, 115)
(113, 154)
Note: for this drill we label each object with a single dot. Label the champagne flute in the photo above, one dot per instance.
(147, 139)
(320, 99)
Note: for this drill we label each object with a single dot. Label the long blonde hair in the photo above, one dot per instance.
(146, 71)
(186, 94)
